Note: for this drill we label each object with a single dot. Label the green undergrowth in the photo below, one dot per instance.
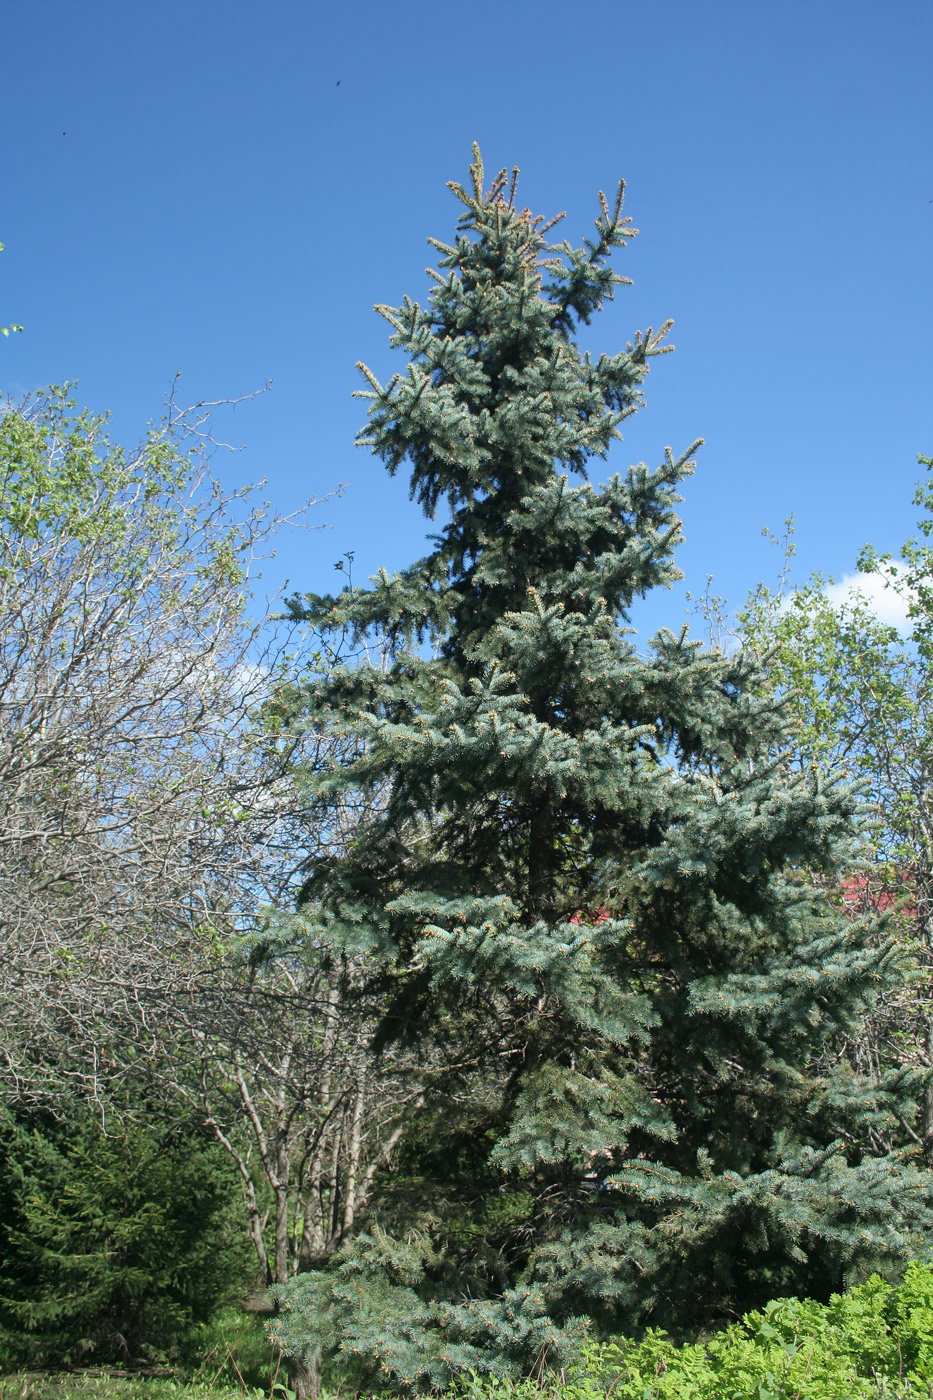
(875, 1341)
(234, 1351)
(26, 1386)
(233, 1359)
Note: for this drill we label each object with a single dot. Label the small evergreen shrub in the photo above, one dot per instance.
(114, 1246)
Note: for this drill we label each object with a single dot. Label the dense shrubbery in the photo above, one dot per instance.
(876, 1340)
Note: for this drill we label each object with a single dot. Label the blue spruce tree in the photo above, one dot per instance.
(580, 883)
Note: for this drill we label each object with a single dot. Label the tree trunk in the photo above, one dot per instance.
(926, 1102)
(541, 863)
(925, 919)
(281, 1235)
(304, 1377)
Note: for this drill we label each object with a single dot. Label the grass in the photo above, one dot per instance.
(235, 1362)
(86, 1386)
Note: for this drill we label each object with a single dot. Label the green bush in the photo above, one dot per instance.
(876, 1340)
(114, 1246)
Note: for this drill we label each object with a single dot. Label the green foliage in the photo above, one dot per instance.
(232, 1349)
(381, 1316)
(114, 1245)
(578, 883)
(876, 1340)
(63, 479)
(860, 692)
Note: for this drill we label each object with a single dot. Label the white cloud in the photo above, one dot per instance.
(888, 603)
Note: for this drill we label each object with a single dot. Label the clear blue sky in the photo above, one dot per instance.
(225, 189)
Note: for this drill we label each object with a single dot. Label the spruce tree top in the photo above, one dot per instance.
(494, 365)
(499, 403)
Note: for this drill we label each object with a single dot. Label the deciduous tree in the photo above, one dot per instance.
(141, 807)
(860, 691)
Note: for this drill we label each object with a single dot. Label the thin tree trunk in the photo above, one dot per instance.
(926, 1104)
(281, 1234)
(314, 1229)
(925, 919)
(353, 1157)
(541, 862)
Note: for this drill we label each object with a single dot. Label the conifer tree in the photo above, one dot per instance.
(580, 879)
